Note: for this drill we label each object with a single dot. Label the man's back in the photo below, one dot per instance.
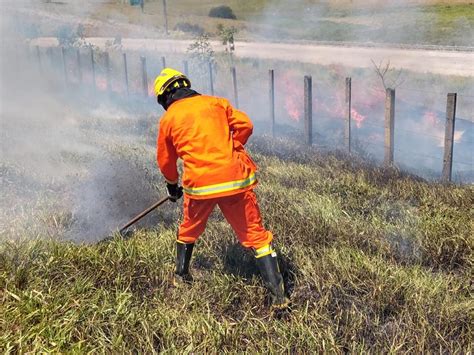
(208, 135)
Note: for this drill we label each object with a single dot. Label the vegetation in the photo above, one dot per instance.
(375, 260)
(201, 50)
(434, 22)
(189, 28)
(222, 11)
(227, 36)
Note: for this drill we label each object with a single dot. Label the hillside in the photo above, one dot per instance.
(394, 22)
(375, 260)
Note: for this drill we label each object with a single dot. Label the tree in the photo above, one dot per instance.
(390, 77)
(227, 36)
(201, 49)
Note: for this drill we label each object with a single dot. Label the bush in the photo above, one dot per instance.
(189, 28)
(66, 35)
(222, 11)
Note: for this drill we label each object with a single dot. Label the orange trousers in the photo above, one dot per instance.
(240, 210)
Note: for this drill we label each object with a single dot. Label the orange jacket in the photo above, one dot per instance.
(209, 136)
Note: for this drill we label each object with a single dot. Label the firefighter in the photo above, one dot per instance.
(209, 135)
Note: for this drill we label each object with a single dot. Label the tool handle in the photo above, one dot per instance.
(143, 214)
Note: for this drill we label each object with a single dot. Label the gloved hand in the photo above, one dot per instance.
(175, 192)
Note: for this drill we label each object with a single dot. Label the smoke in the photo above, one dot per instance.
(76, 163)
(377, 21)
(81, 161)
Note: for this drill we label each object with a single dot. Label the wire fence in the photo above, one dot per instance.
(407, 127)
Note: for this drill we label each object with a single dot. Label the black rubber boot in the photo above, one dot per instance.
(268, 266)
(183, 259)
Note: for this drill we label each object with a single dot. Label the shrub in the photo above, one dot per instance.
(201, 49)
(189, 28)
(222, 11)
(68, 36)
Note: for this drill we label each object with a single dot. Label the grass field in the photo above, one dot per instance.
(410, 22)
(375, 260)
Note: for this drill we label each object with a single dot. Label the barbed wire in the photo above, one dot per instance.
(379, 146)
(434, 92)
(420, 133)
(365, 123)
(470, 165)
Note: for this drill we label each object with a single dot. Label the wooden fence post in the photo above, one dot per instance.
(271, 94)
(125, 73)
(38, 57)
(389, 126)
(144, 76)
(79, 67)
(163, 62)
(165, 13)
(186, 68)
(234, 84)
(63, 55)
(211, 80)
(27, 52)
(308, 110)
(49, 53)
(93, 69)
(347, 126)
(449, 137)
(107, 72)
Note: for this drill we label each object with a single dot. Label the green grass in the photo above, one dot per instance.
(434, 23)
(375, 260)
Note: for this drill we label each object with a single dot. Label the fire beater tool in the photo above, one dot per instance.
(142, 214)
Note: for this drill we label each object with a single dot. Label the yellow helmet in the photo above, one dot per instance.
(167, 77)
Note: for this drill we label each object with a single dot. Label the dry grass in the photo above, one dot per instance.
(375, 260)
(418, 21)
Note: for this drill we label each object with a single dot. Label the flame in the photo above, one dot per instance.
(292, 93)
(292, 109)
(101, 83)
(430, 118)
(458, 136)
(357, 117)
(433, 125)
(151, 90)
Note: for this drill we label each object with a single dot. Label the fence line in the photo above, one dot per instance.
(211, 80)
(388, 125)
(125, 73)
(347, 124)
(144, 76)
(449, 137)
(271, 95)
(308, 109)
(93, 70)
(79, 66)
(234, 84)
(432, 92)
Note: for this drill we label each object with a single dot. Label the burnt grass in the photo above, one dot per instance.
(375, 260)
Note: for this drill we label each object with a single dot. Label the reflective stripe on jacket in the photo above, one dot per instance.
(208, 134)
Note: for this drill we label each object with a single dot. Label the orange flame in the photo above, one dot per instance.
(101, 83)
(433, 126)
(293, 95)
(357, 117)
(292, 108)
(429, 117)
(151, 90)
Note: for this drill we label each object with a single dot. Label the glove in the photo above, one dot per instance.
(175, 192)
